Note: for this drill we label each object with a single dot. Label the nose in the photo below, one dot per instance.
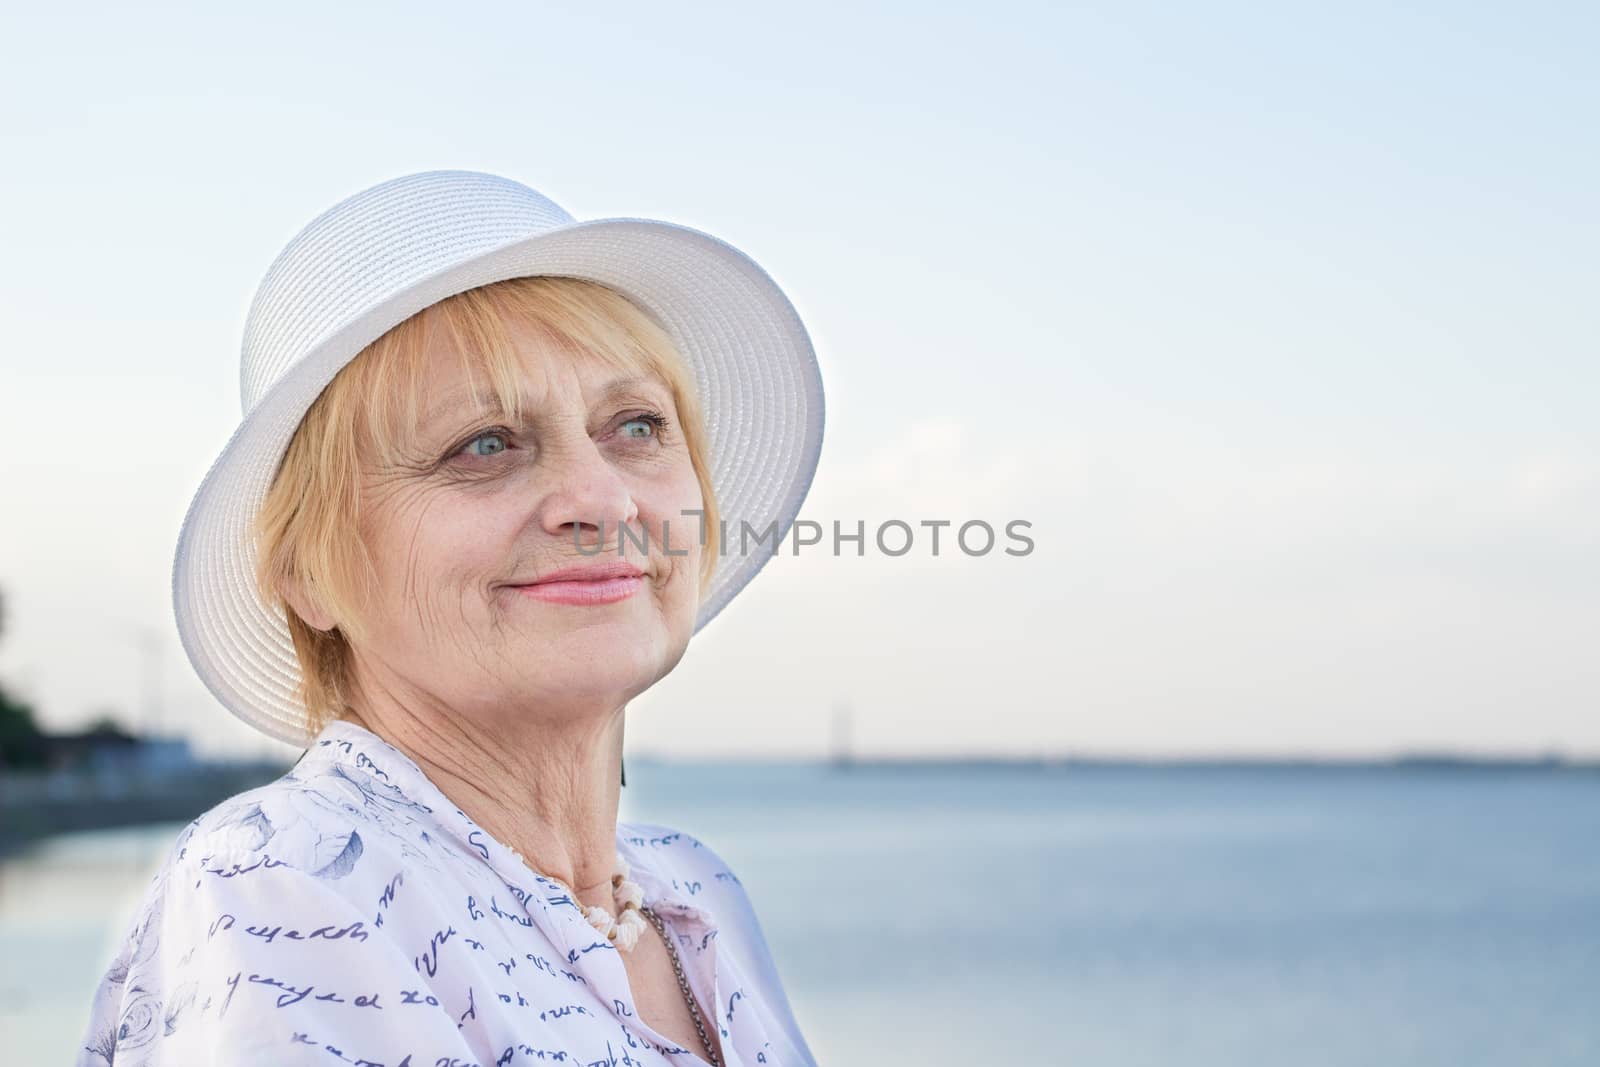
(587, 494)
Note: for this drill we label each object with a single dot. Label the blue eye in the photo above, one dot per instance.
(652, 419)
(471, 446)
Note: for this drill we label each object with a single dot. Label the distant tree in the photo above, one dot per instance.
(21, 743)
(105, 723)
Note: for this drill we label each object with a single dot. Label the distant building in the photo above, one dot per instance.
(107, 748)
(149, 755)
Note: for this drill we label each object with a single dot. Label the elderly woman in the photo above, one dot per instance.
(493, 473)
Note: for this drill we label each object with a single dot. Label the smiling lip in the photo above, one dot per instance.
(597, 583)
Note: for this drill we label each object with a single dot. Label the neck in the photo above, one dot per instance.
(545, 785)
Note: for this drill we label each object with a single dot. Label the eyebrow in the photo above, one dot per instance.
(458, 399)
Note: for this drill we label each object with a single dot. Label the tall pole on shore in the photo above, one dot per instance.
(841, 734)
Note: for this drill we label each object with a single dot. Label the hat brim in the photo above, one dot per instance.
(755, 370)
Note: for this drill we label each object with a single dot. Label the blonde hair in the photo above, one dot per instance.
(306, 527)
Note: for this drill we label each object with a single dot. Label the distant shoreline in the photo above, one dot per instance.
(1258, 762)
(1543, 764)
(35, 804)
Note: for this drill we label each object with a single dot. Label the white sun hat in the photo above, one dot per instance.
(382, 255)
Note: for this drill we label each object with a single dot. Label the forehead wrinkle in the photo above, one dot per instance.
(460, 398)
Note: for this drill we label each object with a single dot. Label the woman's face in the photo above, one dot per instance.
(483, 507)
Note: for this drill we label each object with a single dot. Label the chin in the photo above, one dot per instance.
(615, 655)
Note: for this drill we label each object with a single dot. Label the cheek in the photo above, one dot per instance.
(675, 526)
(684, 535)
(432, 552)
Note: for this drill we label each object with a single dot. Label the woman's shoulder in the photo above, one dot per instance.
(319, 820)
(286, 885)
(304, 836)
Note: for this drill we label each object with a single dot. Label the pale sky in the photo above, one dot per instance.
(1276, 322)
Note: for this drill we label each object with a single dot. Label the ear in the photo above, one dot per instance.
(306, 607)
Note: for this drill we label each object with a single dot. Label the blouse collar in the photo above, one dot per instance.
(355, 748)
(344, 747)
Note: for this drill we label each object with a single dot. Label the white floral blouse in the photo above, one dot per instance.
(350, 913)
